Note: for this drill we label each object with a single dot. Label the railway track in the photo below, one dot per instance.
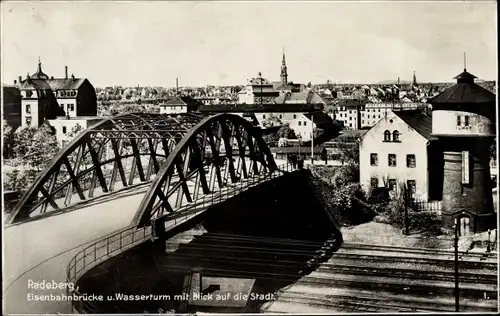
(484, 278)
(365, 303)
(298, 249)
(358, 246)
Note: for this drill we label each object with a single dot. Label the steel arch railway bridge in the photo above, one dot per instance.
(180, 157)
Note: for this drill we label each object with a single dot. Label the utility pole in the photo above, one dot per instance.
(407, 228)
(312, 138)
(457, 295)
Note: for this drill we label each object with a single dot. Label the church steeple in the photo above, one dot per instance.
(414, 78)
(284, 74)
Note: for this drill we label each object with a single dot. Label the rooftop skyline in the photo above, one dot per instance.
(224, 43)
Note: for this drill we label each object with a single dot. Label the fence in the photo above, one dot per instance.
(129, 237)
(424, 206)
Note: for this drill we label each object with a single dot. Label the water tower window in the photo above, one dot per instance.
(459, 120)
(466, 120)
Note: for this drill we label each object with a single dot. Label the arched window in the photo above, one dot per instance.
(387, 136)
(395, 136)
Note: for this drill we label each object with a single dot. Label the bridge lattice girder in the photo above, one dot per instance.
(115, 153)
(219, 151)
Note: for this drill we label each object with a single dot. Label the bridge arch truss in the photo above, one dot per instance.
(218, 152)
(118, 152)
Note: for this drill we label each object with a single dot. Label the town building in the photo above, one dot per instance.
(399, 150)
(258, 91)
(373, 112)
(349, 113)
(179, 104)
(46, 98)
(464, 121)
(279, 118)
(304, 124)
(67, 127)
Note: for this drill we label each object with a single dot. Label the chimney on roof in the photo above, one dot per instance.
(28, 76)
(19, 79)
(15, 82)
(66, 72)
(73, 76)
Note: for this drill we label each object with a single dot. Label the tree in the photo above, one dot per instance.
(493, 150)
(286, 132)
(318, 132)
(35, 147)
(8, 139)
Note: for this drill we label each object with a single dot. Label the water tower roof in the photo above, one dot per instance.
(464, 91)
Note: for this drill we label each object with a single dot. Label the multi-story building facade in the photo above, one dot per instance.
(399, 150)
(349, 113)
(373, 112)
(46, 98)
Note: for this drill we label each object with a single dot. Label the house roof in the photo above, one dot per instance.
(307, 97)
(417, 120)
(296, 149)
(34, 84)
(184, 100)
(65, 84)
(320, 118)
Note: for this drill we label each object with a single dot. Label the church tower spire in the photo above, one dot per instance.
(414, 78)
(284, 74)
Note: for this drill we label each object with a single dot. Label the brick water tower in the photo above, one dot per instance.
(464, 121)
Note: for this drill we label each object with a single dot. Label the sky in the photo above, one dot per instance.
(226, 43)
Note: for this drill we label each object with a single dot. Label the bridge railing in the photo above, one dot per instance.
(128, 237)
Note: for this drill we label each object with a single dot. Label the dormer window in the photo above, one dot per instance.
(29, 93)
(387, 136)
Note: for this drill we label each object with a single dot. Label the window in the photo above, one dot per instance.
(28, 121)
(350, 124)
(459, 120)
(466, 120)
(300, 123)
(392, 160)
(374, 182)
(374, 159)
(412, 186)
(379, 116)
(411, 161)
(392, 184)
(387, 136)
(72, 107)
(28, 109)
(363, 121)
(350, 118)
(395, 136)
(350, 111)
(305, 123)
(64, 129)
(280, 116)
(368, 115)
(294, 116)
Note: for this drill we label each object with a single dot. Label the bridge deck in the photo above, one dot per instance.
(40, 250)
